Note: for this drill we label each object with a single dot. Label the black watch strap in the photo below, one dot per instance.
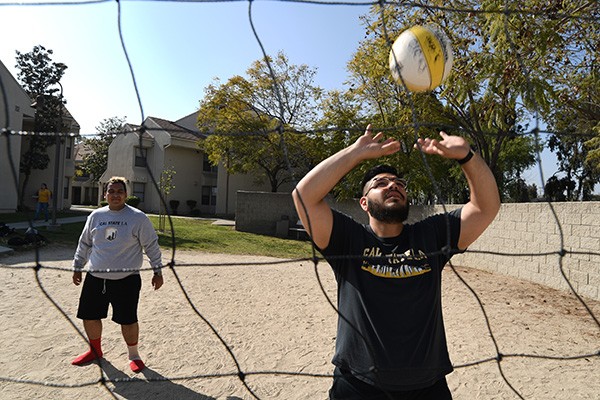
(467, 157)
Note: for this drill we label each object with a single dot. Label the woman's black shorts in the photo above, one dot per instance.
(122, 294)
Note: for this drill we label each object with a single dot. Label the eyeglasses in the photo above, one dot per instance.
(384, 181)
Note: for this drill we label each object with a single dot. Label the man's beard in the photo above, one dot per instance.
(390, 215)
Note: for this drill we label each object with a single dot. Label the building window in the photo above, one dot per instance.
(66, 189)
(69, 144)
(207, 167)
(138, 190)
(209, 195)
(140, 156)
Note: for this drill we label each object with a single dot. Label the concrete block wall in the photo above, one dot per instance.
(259, 212)
(525, 240)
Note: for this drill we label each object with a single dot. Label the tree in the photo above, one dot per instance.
(576, 122)
(518, 191)
(96, 158)
(593, 146)
(572, 155)
(487, 97)
(165, 185)
(556, 189)
(508, 69)
(39, 75)
(254, 123)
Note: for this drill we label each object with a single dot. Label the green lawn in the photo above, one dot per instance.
(202, 235)
(191, 234)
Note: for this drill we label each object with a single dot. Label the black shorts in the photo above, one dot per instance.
(122, 294)
(347, 387)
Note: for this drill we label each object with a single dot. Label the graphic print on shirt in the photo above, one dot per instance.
(110, 233)
(410, 263)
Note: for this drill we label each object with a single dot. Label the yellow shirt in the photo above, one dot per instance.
(44, 195)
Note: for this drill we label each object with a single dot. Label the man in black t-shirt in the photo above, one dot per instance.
(391, 342)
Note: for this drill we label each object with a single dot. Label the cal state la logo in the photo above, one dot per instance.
(111, 234)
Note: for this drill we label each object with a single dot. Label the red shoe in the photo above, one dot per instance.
(86, 358)
(137, 365)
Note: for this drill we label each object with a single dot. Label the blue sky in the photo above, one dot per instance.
(176, 49)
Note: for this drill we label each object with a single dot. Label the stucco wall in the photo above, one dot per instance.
(525, 240)
(188, 179)
(18, 108)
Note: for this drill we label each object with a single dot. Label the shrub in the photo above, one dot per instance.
(132, 201)
(103, 203)
(174, 204)
(192, 205)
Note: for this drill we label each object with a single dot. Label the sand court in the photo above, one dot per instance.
(272, 322)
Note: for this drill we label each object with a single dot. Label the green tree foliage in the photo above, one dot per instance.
(509, 70)
(255, 123)
(572, 155)
(576, 108)
(593, 145)
(38, 73)
(518, 191)
(165, 185)
(95, 158)
(556, 189)
(39, 76)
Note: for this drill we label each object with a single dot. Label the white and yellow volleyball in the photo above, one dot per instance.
(421, 57)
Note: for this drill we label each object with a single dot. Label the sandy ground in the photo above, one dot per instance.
(279, 329)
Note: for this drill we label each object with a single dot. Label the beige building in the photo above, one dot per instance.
(21, 117)
(17, 103)
(167, 145)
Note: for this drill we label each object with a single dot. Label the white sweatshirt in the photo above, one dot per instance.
(112, 241)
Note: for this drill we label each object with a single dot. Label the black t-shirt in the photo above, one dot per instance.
(391, 332)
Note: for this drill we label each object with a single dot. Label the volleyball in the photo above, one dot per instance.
(421, 57)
